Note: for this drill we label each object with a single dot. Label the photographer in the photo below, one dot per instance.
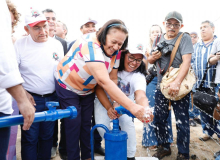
(173, 23)
(149, 135)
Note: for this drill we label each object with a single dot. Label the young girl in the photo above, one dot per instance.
(131, 80)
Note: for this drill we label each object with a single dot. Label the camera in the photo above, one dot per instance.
(163, 47)
(151, 73)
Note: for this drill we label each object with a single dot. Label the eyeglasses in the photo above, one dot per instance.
(193, 36)
(176, 26)
(132, 59)
(37, 28)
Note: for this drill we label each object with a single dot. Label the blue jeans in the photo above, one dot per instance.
(4, 139)
(193, 113)
(181, 111)
(149, 135)
(208, 125)
(36, 143)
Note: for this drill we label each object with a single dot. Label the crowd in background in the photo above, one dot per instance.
(100, 71)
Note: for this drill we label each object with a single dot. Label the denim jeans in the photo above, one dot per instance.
(208, 125)
(193, 113)
(4, 139)
(181, 111)
(36, 143)
(149, 135)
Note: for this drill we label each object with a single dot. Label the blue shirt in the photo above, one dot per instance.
(199, 60)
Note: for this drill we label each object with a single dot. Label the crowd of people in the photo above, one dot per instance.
(95, 73)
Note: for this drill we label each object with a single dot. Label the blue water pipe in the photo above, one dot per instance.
(51, 115)
(115, 140)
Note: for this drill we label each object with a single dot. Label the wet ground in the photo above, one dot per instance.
(202, 150)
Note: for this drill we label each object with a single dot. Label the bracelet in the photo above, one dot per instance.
(113, 102)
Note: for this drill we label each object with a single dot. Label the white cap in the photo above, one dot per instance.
(87, 20)
(34, 17)
(136, 49)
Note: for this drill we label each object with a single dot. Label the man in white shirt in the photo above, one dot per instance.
(37, 57)
(10, 82)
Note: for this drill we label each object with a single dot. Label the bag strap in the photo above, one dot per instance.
(172, 56)
(205, 74)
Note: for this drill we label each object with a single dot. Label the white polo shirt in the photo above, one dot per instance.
(9, 73)
(37, 62)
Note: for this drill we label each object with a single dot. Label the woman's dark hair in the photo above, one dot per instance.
(112, 24)
(141, 68)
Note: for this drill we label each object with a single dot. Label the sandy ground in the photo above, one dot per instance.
(202, 150)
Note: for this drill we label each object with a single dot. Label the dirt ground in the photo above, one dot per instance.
(202, 150)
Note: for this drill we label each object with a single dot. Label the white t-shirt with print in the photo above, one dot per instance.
(37, 62)
(129, 82)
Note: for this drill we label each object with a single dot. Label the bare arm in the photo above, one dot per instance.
(213, 59)
(140, 98)
(99, 72)
(25, 107)
(175, 85)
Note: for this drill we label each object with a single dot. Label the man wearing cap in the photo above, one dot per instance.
(10, 82)
(194, 37)
(173, 23)
(37, 57)
(202, 52)
(51, 18)
(88, 26)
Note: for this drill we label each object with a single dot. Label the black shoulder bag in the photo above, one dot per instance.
(204, 98)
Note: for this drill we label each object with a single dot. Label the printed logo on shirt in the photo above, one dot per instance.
(35, 13)
(55, 56)
(124, 86)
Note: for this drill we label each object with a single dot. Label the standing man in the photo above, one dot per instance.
(51, 18)
(88, 26)
(193, 111)
(202, 52)
(172, 24)
(194, 37)
(10, 82)
(61, 30)
(37, 57)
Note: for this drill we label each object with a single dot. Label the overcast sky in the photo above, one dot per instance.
(138, 15)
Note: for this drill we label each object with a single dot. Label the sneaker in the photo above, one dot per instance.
(192, 123)
(216, 154)
(53, 152)
(197, 120)
(152, 148)
(162, 152)
(181, 157)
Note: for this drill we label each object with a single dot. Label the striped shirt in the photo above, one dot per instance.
(72, 72)
(199, 60)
